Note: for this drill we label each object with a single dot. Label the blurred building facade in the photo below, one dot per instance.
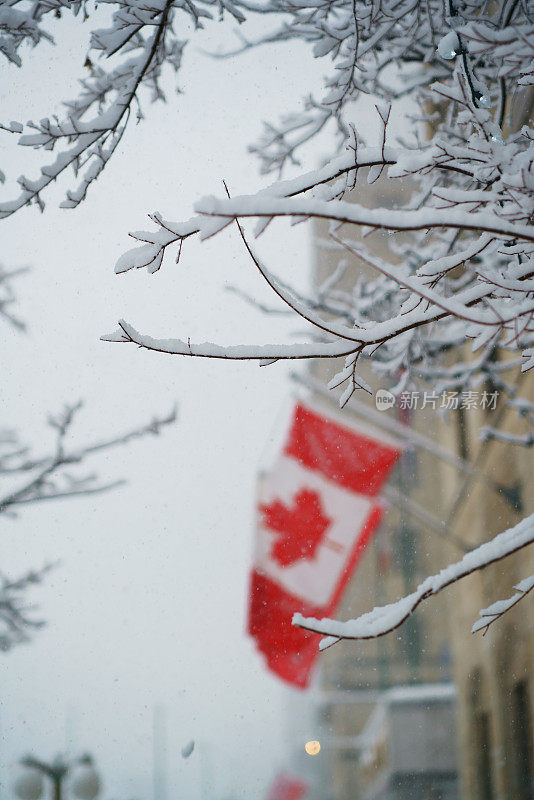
(493, 672)
(475, 690)
(408, 747)
(358, 681)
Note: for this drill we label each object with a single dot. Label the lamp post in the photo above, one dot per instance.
(84, 783)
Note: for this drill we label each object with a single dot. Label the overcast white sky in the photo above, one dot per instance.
(148, 605)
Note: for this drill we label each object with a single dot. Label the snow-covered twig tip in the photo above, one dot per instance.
(385, 619)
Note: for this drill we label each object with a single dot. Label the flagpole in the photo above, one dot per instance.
(205, 770)
(159, 752)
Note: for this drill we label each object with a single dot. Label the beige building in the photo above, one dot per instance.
(358, 678)
(493, 673)
(443, 500)
(410, 543)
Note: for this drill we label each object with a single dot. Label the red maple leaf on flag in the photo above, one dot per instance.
(301, 527)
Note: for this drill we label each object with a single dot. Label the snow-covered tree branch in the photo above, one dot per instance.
(27, 479)
(385, 619)
(16, 618)
(34, 480)
(8, 297)
(31, 475)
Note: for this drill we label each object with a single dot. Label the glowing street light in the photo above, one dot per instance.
(28, 784)
(313, 748)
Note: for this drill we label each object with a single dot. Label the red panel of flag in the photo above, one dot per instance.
(317, 512)
(346, 456)
(285, 787)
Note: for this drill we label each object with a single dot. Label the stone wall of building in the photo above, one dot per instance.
(493, 673)
(402, 553)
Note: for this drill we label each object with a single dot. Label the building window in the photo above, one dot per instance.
(410, 642)
(522, 742)
(483, 755)
(405, 554)
(462, 433)
(480, 744)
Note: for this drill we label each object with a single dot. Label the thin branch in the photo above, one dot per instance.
(385, 619)
(497, 610)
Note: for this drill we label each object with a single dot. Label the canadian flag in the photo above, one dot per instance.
(317, 510)
(286, 787)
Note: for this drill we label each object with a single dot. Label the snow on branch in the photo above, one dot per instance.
(139, 42)
(127, 333)
(494, 612)
(467, 272)
(478, 231)
(217, 212)
(385, 619)
(94, 141)
(150, 254)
